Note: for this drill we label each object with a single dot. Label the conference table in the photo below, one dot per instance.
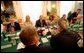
(7, 47)
(44, 38)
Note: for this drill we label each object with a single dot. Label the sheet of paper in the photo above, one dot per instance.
(10, 35)
(18, 33)
(43, 28)
(49, 36)
(20, 45)
(44, 40)
(80, 28)
(16, 38)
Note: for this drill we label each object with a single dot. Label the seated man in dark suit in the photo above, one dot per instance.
(73, 15)
(41, 22)
(64, 40)
(13, 24)
(30, 39)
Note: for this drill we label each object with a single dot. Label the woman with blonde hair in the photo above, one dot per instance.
(28, 21)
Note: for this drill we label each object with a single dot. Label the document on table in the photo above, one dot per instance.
(44, 40)
(20, 45)
(49, 36)
(10, 35)
(80, 28)
(18, 33)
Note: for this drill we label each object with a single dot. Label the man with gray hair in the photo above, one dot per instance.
(64, 40)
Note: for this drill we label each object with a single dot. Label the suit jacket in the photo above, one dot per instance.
(36, 49)
(16, 26)
(73, 15)
(39, 24)
(65, 41)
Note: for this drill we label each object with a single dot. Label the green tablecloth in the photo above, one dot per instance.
(76, 27)
(11, 48)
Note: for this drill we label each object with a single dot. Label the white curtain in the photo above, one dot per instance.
(31, 8)
(65, 7)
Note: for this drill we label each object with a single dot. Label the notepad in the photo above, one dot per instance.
(44, 40)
